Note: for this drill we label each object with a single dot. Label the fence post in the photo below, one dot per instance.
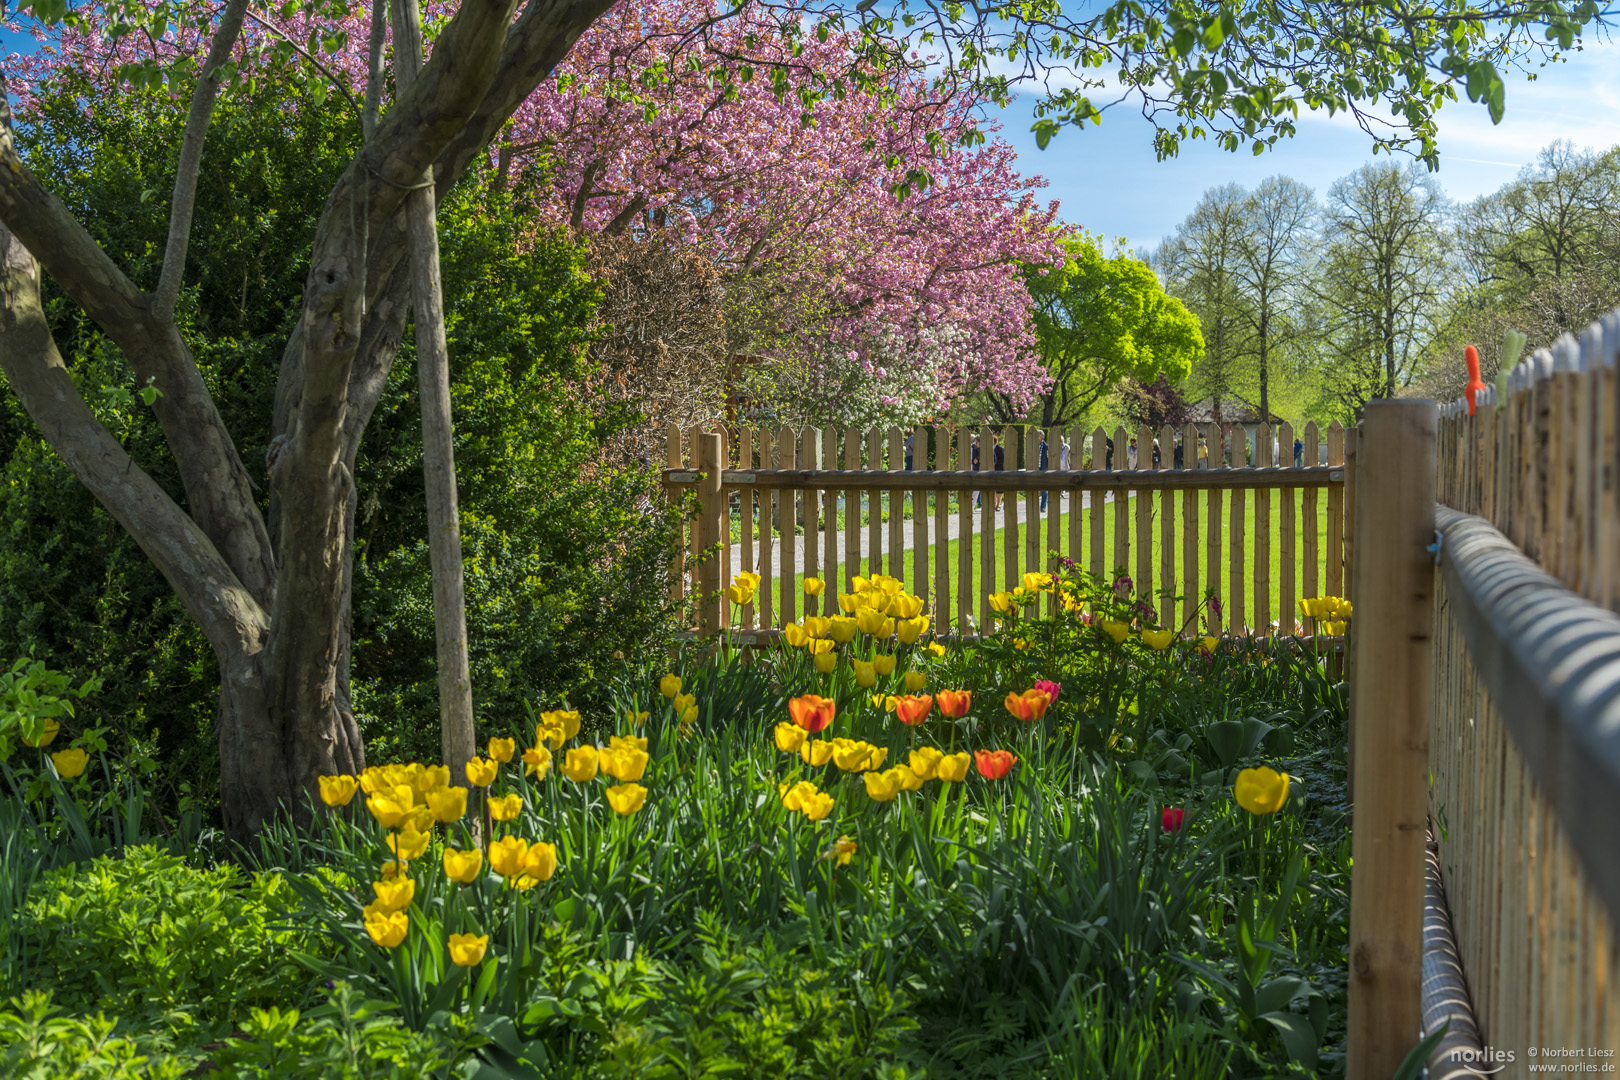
(709, 464)
(1392, 691)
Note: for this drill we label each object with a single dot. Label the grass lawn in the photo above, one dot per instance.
(1084, 556)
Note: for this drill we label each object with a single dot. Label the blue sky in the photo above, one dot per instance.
(1109, 182)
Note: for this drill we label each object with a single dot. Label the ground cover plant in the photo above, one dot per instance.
(1083, 845)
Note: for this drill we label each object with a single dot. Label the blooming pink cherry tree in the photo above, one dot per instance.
(862, 231)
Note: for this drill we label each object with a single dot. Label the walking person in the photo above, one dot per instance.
(1299, 453)
(1042, 465)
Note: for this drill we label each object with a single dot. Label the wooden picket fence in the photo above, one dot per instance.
(1524, 739)
(791, 503)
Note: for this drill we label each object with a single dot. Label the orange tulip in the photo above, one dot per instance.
(994, 764)
(913, 710)
(1030, 705)
(954, 703)
(812, 712)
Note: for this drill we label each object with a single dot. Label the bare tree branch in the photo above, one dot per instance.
(184, 199)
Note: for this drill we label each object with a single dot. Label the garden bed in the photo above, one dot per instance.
(1080, 847)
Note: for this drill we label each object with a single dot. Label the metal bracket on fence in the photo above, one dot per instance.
(682, 476)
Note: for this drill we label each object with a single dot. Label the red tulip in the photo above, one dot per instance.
(812, 712)
(954, 703)
(913, 710)
(1173, 818)
(994, 764)
(1048, 687)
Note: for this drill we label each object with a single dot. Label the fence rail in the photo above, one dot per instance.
(793, 503)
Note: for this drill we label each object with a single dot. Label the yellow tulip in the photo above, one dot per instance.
(506, 807)
(1332, 628)
(814, 586)
(684, 702)
(865, 674)
(826, 663)
(506, 856)
(925, 762)
(795, 635)
(871, 622)
(816, 648)
(626, 798)
(909, 780)
(883, 786)
(816, 752)
(501, 750)
(789, 737)
(1115, 629)
(669, 686)
(624, 763)
(482, 773)
(394, 895)
(915, 681)
(540, 861)
(1261, 791)
(688, 718)
(817, 625)
(739, 595)
(817, 806)
(387, 928)
(884, 664)
(1037, 582)
(463, 866)
(409, 844)
(637, 718)
(848, 603)
(1000, 601)
(335, 790)
(628, 742)
(843, 629)
(467, 950)
(861, 584)
(46, 737)
(909, 630)
(566, 719)
(936, 648)
(393, 868)
(1207, 644)
(854, 755)
(843, 850)
(906, 607)
(391, 807)
(953, 768)
(748, 579)
(432, 778)
(1158, 639)
(537, 762)
(580, 764)
(448, 804)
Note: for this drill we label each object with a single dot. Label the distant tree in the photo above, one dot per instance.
(1155, 404)
(1279, 219)
(1099, 320)
(1386, 278)
(1203, 265)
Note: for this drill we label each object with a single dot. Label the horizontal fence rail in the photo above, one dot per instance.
(1524, 743)
(1231, 510)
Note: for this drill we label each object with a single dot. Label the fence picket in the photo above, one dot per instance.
(1335, 515)
(1054, 512)
(810, 454)
(874, 507)
(919, 517)
(786, 451)
(1237, 457)
(1011, 445)
(673, 460)
(745, 460)
(1122, 504)
(1077, 458)
(1214, 543)
(767, 528)
(1032, 502)
(964, 528)
(1100, 459)
(1191, 459)
(897, 511)
(942, 547)
(987, 531)
(828, 600)
(1263, 459)
(852, 511)
(1167, 530)
(1310, 586)
(1286, 539)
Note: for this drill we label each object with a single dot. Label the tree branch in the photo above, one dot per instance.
(184, 200)
(374, 68)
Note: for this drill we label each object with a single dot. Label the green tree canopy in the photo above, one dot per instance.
(1100, 319)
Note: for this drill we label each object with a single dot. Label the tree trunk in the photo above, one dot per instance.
(457, 741)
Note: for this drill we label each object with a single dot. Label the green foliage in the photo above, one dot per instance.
(148, 936)
(1099, 320)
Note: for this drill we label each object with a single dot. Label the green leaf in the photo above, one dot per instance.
(1298, 1037)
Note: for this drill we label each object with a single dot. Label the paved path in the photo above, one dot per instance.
(953, 530)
